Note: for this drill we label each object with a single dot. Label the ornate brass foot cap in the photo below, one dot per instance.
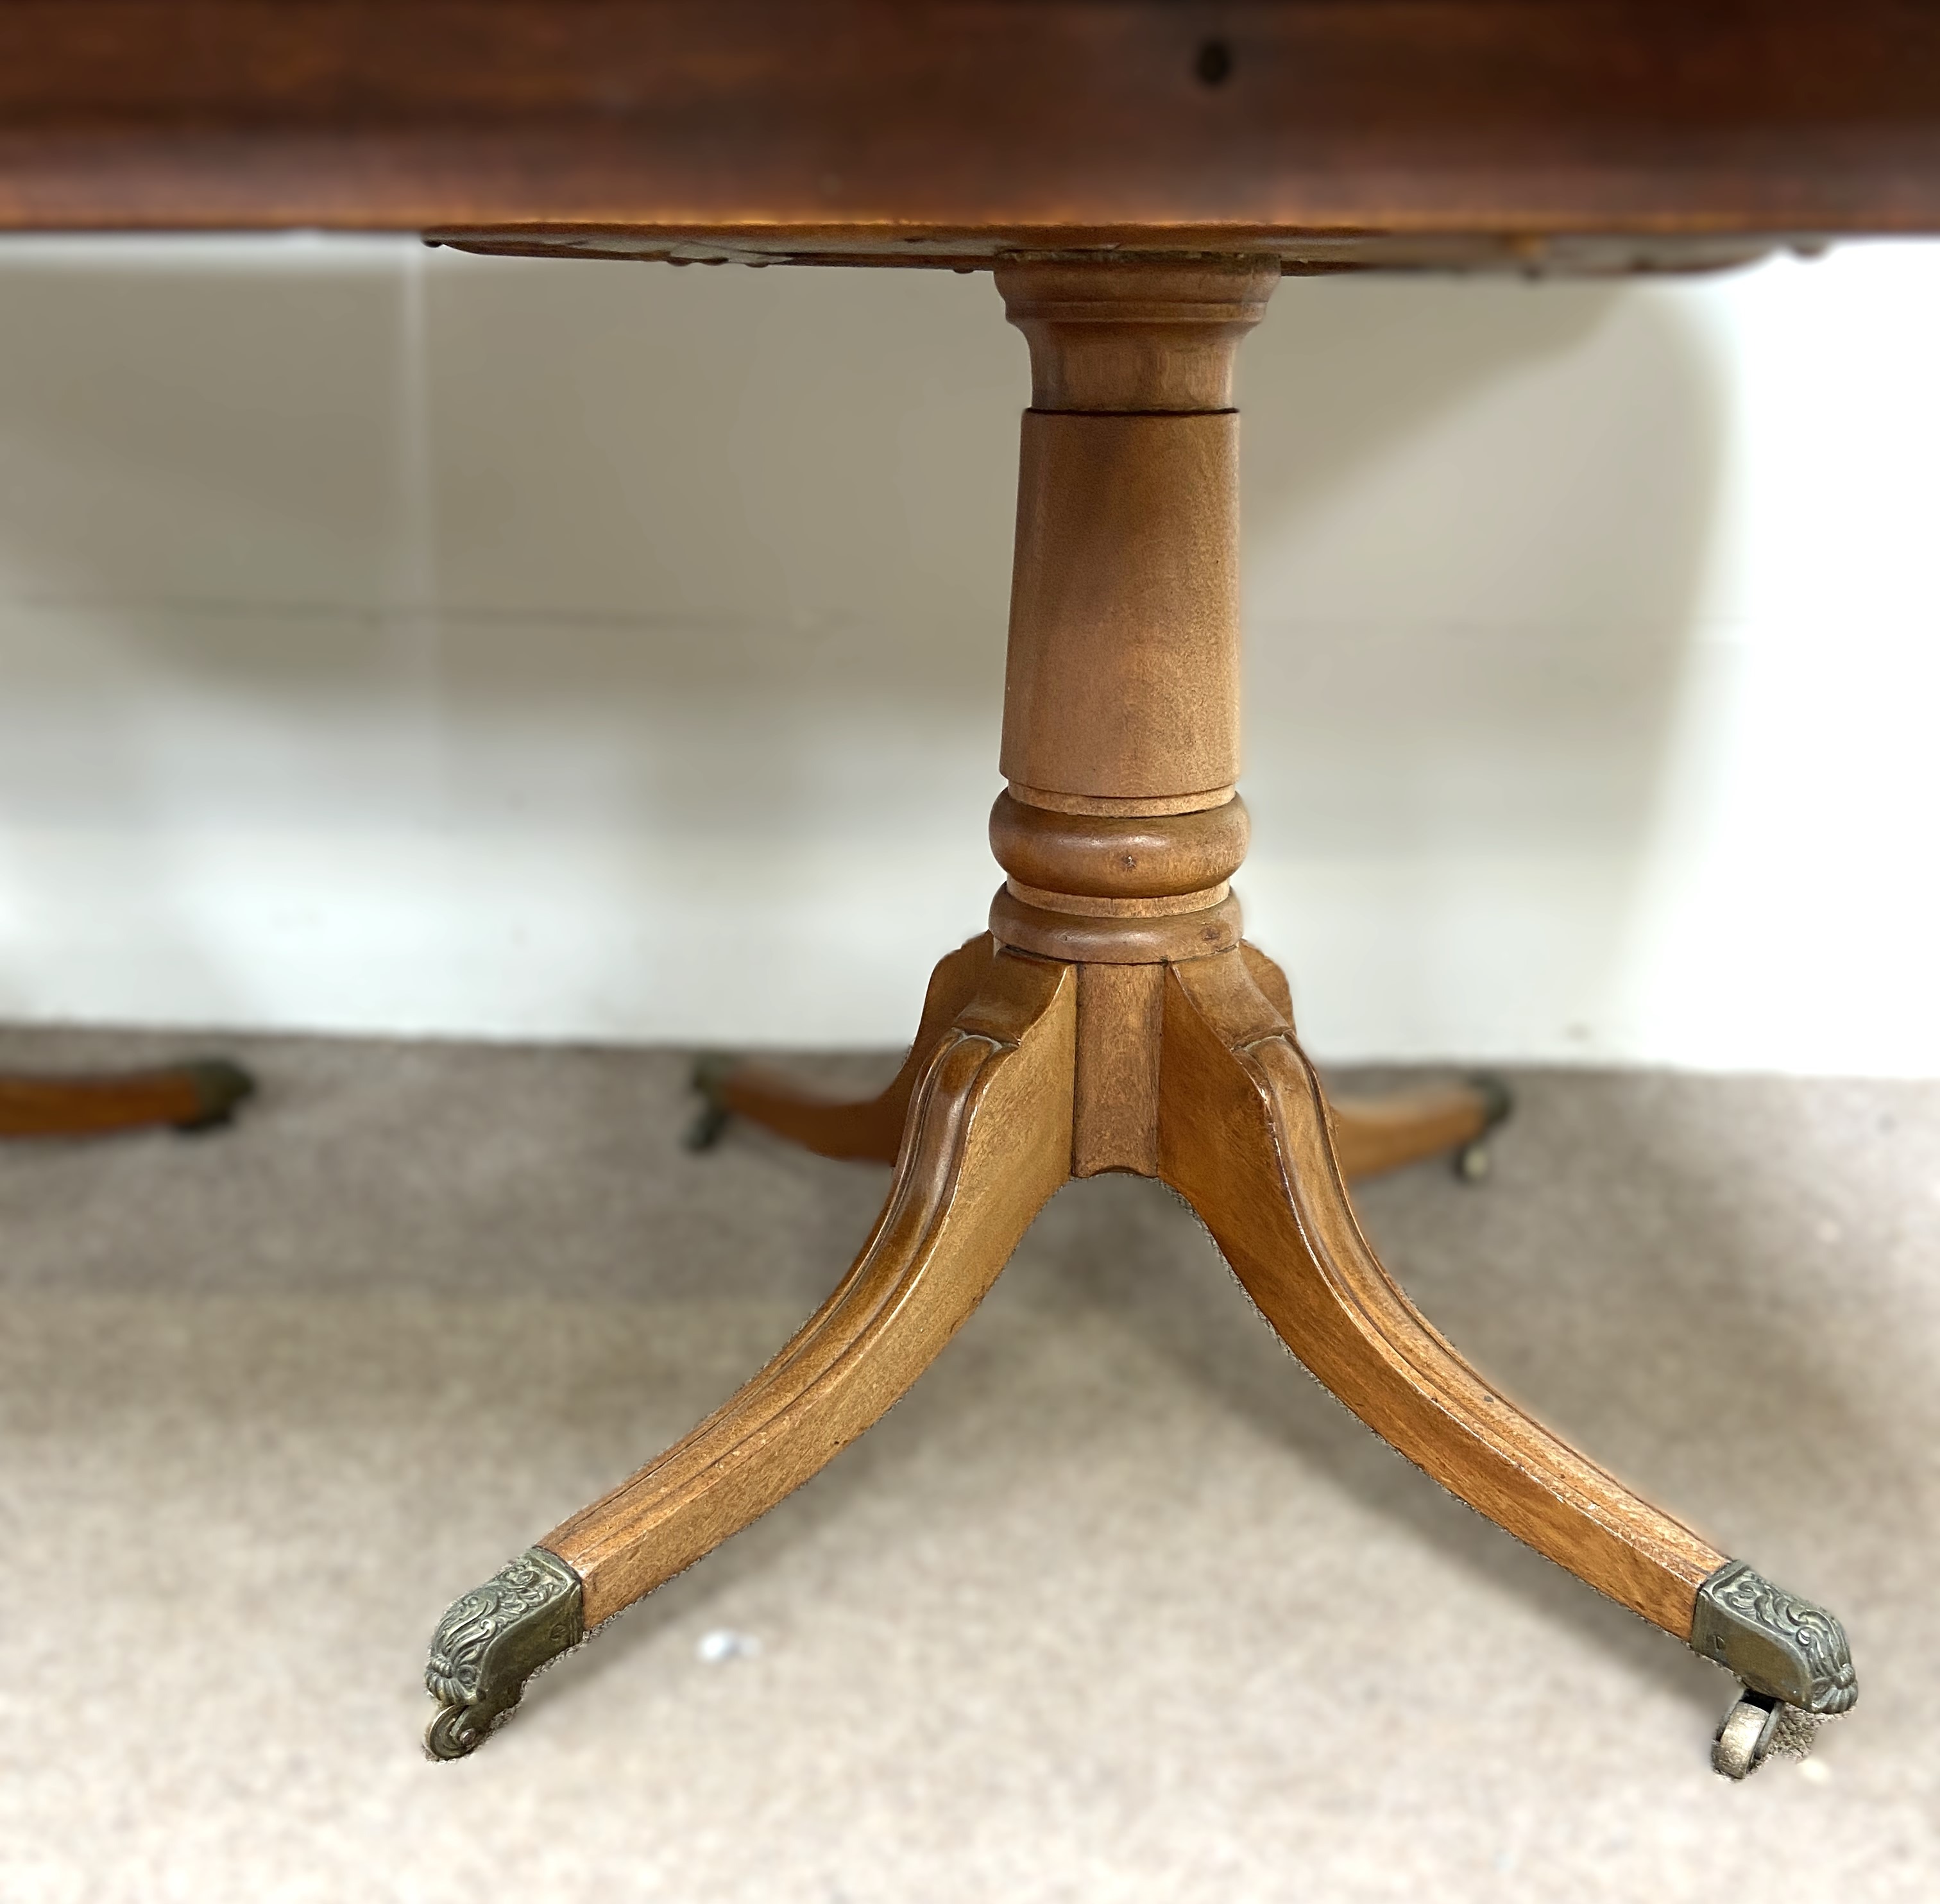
(1785, 1647)
(492, 1641)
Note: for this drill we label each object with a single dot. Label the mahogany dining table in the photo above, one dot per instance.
(1140, 176)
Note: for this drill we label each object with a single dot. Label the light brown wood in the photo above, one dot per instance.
(1372, 1135)
(196, 1096)
(1121, 692)
(1122, 678)
(1046, 900)
(989, 1140)
(1114, 1114)
(872, 1130)
(1157, 339)
(1121, 856)
(1084, 940)
(1108, 809)
(1270, 978)
(1114, 1111)
(1243, 1137)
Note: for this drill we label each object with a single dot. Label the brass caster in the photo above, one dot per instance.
(710, 1070)
(1780, 1646)
(219, 1087)
(1791, 1657)
(1472, 1160)
(1744, 1735)
(491, 1641)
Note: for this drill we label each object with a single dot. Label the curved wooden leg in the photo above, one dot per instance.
(989, 1140)
(196, 1096)
(1243, 1136)
(1374, 1134)
(872, 1130)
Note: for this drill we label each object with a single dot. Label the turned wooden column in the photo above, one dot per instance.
(1120, 827)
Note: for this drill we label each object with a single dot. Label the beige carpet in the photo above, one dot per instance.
(1117, 1605)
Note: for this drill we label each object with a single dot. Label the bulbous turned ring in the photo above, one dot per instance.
(1145, 856)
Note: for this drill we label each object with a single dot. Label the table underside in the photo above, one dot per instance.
(1298, 254)
(1548, 135)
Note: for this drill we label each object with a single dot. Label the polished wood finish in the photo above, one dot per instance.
(1085, 938)
(1157, 341)
(1190, 1072)
(988, 1140)
(1121, 690)
(198, 1096)
(1243, 1137)
(1114, 1091)
(1114, 1109)
(1122, 857)
(1122, 679)
(1114, 513)
(1591, 133)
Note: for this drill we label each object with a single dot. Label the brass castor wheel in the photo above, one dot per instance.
(220, 1088)
(1472, 1160)
(713, 1116)
(1744, 1735)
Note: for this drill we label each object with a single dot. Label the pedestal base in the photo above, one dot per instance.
(989, 1109)
(1113, 1019)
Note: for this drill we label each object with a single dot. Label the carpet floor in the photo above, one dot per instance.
(1117, 1605)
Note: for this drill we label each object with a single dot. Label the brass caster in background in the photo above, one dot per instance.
(1472, 1160)
(710, 1070)
(219, 1087)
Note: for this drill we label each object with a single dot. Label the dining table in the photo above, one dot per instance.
(1139, 178)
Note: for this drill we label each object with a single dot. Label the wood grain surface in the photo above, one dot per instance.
(1123, 675)
(1115, 1094)
(1243, 1136)
(1086, 939)
(1519, 131)
(1126, 856)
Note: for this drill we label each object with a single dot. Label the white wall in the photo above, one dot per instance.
(393, 640)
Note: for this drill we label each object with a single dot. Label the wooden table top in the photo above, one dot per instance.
(1579, 135)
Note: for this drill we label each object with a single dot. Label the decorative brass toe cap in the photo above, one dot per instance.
(492, 1640)
(1787, 1648)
